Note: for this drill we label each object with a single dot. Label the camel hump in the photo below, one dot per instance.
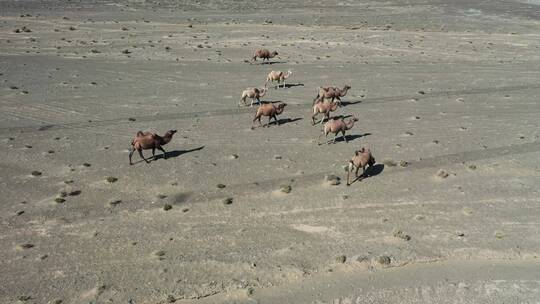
(140, 133)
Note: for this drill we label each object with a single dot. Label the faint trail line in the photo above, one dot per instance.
(237, 111)
(318, 177)
(332, 287)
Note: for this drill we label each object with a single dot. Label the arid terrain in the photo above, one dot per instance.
(447, 98)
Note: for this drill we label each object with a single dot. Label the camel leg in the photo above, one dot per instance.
(361, 176)
(327, 116)
(344, 137)
(255, 119)
(323, 131)
(319, 139)
(154, 153)
(131, 154)
(335, 135)
(313, 119)
(243, 100)
(269, 120)
(277, 121)
(142, 156)
(162, 150)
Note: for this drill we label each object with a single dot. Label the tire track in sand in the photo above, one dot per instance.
(237, 111)
(318, 177)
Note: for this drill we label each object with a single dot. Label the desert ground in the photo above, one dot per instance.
(447, 98)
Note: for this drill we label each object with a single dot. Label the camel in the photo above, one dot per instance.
(149, 140)
(270, 110)
(264, 54)
(361, 159)
(278, 76)
(324, 108)
(338, 126)
(332, 92)
(253, 93)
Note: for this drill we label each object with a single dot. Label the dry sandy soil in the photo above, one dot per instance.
(446, 93)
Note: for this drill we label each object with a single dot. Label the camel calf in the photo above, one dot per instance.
(149, 140)
(361, 159)
(270, 110)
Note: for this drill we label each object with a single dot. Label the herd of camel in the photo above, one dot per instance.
(328, 99)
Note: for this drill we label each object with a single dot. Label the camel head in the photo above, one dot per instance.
(346, 87)
(262, 91)
(371, 161)
(280, 108)
(274, 53)
(170, 133)
(351, 122)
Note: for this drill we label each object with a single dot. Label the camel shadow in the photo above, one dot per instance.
(272, 62)
(370, 171)
(270, 101)
(281, 121)
(341, 116)
(348, 103)
(289, 85)
(177, 153)
(374, 170)
(288, 120)
(352, 137)
(340, 138)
